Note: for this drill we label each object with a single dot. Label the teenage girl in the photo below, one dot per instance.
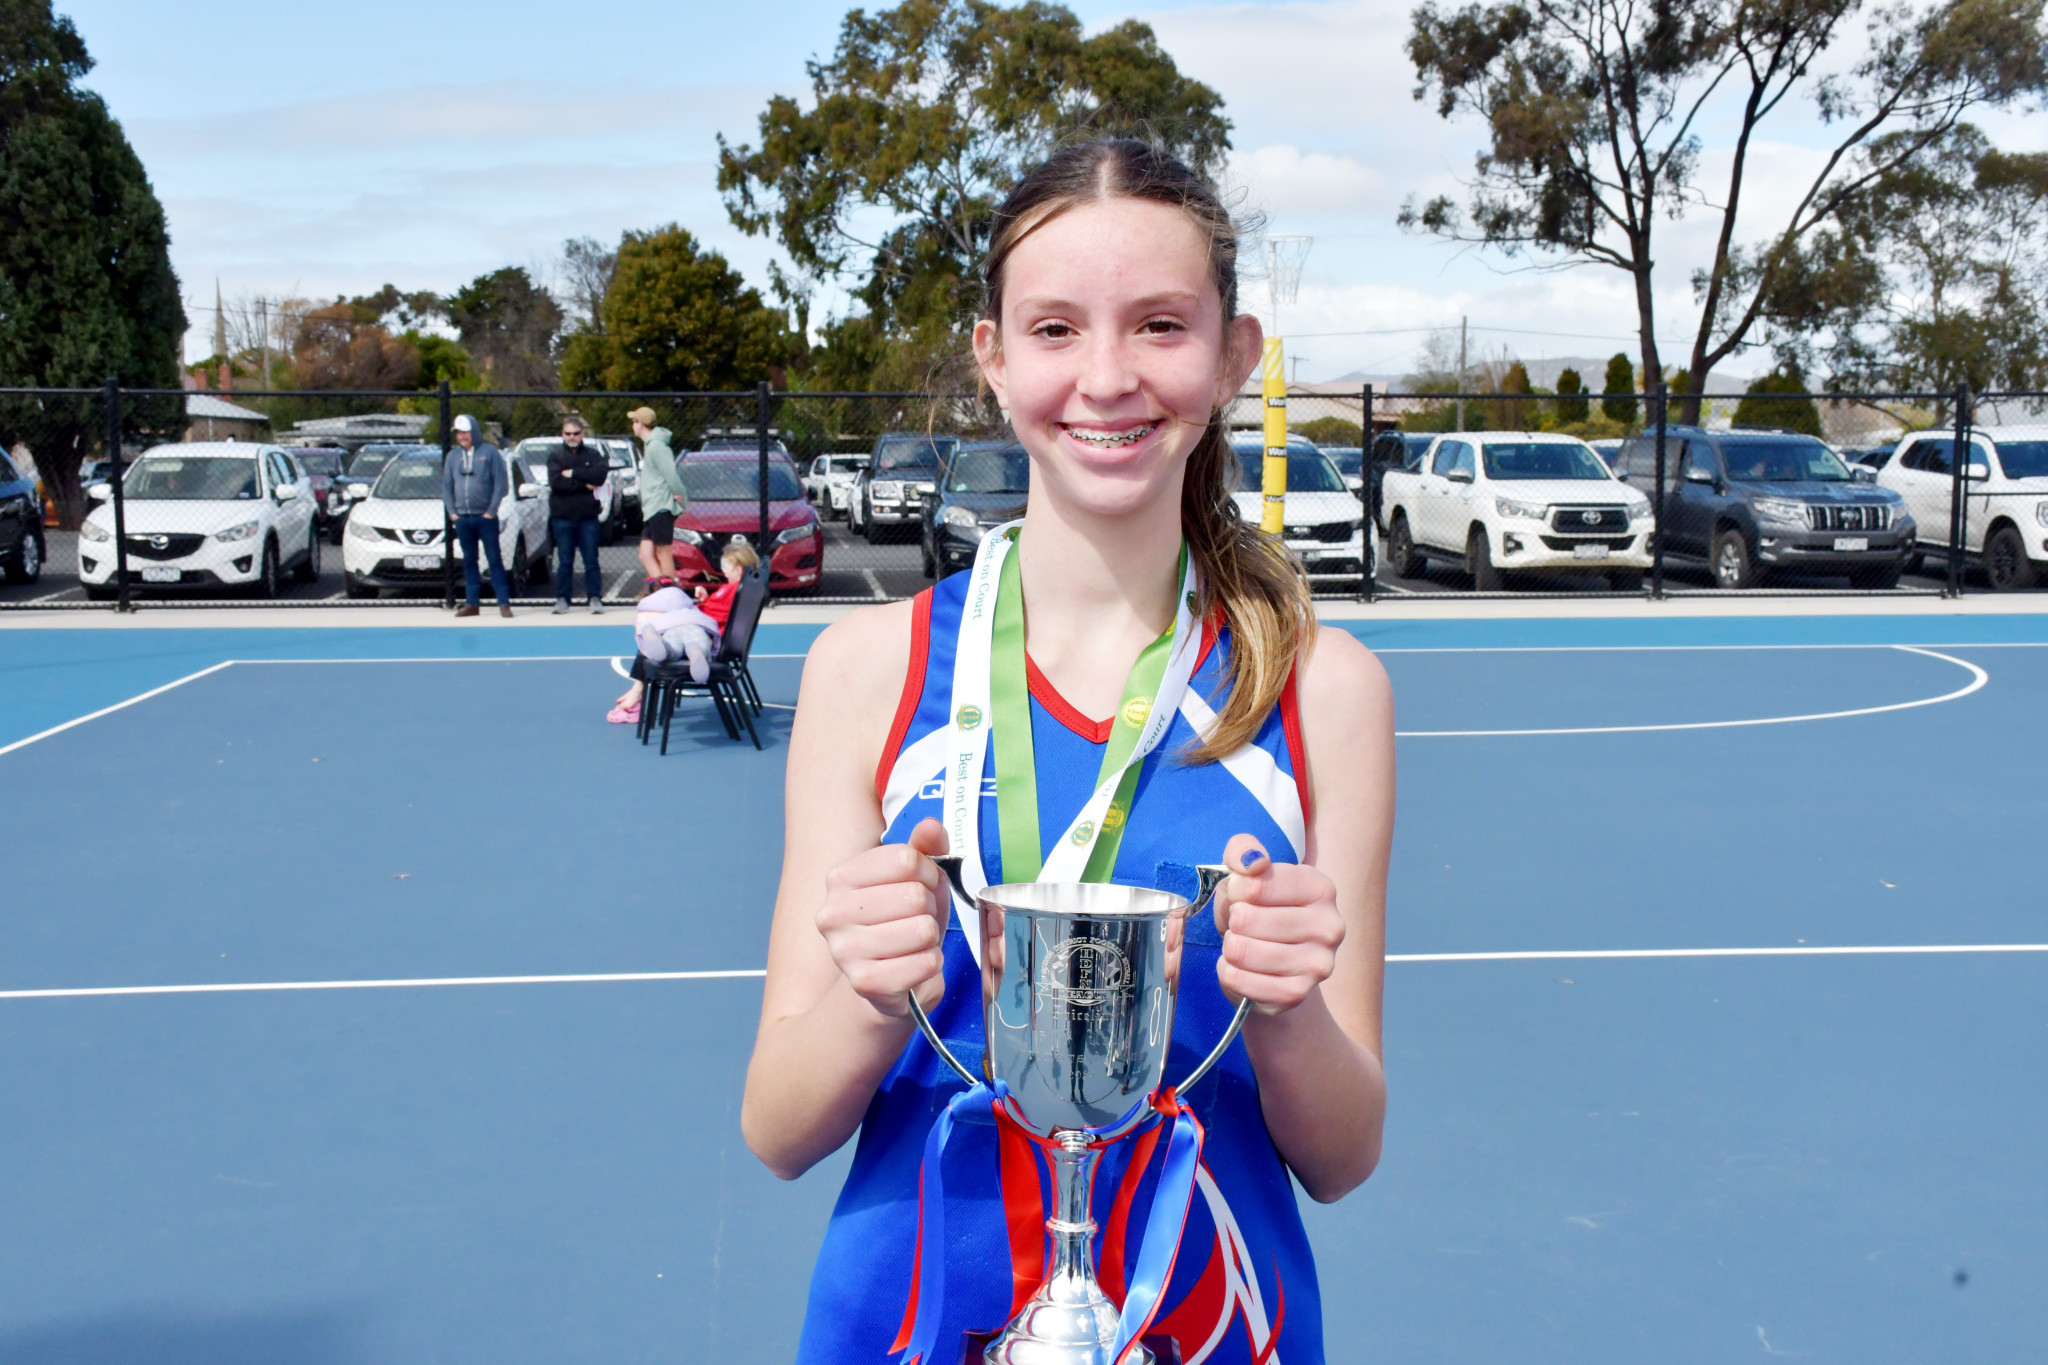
(1111, 337)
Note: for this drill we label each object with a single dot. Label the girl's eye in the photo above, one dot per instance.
(1053, 331)
(1159, 327)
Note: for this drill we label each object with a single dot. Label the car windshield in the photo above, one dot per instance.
(2023, 459)
(327, 462)
(1349, 460)
(1793, 460)
(415, 476)
(368, 464)
(1511, 460)
(1307, 471)
(191, 478)
(621, 460)
(737, 481)
(899, 456)
(1005, 470)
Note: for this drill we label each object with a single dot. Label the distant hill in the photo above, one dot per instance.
(1543, 374)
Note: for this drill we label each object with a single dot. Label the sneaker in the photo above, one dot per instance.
(624, 715)
(596, 607)
(561, 606)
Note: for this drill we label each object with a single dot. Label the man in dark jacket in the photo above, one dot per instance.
(473, 485)
(576, 470)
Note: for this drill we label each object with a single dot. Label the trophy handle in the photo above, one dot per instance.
(1212, 875)
(949, 863)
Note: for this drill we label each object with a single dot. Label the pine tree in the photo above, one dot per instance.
(1617, 397)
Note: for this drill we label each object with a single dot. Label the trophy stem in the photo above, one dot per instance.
(1070, 1321)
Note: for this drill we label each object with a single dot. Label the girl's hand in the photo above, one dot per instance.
(1280, 927)
(884, 918)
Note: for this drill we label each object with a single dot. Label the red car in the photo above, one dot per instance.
(725, 505)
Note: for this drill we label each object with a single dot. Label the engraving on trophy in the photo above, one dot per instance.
(1084, 974)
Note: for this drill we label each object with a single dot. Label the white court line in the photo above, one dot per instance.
(619, 588)
(1978, 679)
(606, 978)
(117, 706)
(238, 987)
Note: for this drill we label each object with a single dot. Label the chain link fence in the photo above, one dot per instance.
(132, 498)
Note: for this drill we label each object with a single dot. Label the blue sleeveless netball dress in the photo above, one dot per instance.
(1243, 1287)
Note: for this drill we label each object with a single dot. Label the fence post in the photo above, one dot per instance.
(765, 545)
(1957, 484)
(1369, 503)
(1661, 398)
(114, 475)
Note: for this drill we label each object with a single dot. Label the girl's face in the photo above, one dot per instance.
(1112, 351)
(732, 569)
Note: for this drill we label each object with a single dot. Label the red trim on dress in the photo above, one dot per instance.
(913, 690)
(1297, 751)
(1212, 627)
(1063, 711)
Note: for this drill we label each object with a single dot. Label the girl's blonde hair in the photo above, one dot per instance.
(1248, 574)
(742, 552)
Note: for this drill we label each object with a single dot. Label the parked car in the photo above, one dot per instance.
(1607, 448)
(888, 494)
(367, 463)
(1400, 449)
(1500, 502)
(1748, 502)
(2005, 498)
(324, 465)
(830, 481)
(22, 548)
(624, 459)
(1350, 462)
(1324, 522)
(1865, 461)
(205, 514)
(725, 506)
(985, 484)
(394, 537)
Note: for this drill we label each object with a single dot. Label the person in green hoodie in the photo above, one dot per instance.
(662, 499)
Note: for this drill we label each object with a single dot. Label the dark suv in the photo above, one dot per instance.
(986, 484)
(1748, 502)
(889, 496)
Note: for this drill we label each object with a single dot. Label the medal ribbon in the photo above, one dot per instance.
(990, 691)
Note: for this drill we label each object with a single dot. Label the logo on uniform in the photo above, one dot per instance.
(1136, 710)
(968, 717)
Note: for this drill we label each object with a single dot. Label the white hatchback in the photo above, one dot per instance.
(1325, 521)
(394, 534)
(207, 514)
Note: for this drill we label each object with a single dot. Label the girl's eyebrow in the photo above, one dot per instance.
(1163, 299)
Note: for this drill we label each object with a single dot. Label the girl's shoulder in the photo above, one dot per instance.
(863, 655)
(1342, 684)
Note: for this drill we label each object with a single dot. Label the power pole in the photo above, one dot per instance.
(263, 313)
(1461, 373)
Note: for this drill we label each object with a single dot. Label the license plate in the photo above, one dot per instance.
(162, 575)
(1852, 542)
(1589, 552)
(423, 561)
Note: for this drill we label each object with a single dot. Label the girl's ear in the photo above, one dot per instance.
(988, 354)
(1244, 341)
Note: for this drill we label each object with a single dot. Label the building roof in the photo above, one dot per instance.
(219, 409)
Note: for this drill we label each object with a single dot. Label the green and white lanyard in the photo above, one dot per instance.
(990, 692)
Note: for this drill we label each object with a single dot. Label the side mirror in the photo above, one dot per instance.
(285, 492)
(100, 492)
(1862, 473)
(1977, 469)
(1459, 476)
(1694, 475)
(356, 492)
(531, 490)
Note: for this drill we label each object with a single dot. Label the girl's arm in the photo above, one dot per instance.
(857, 923)
(1307, 943)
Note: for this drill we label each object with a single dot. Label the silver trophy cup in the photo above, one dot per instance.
(1078, 987)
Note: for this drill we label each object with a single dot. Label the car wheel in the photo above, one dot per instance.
(1479, 562)
(309, 572)
(537, 574)
(1401, 556)
(28, 560)
(931, 568)
(266, 584)
(522, 567)
(356, 588)
(1733, 568)
(1626, 580)
(1913, 563)
(2006, 563)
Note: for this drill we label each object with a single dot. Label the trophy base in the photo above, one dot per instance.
(1073, 1328)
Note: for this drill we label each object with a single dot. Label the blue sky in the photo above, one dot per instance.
(312, 150)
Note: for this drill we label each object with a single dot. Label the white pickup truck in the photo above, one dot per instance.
(2005, 491)
(1500, 502)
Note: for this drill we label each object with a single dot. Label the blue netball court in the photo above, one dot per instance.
(1717, 1014)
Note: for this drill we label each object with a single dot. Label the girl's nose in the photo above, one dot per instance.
(1106, 369)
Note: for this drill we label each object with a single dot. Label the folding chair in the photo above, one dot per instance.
(729, 684)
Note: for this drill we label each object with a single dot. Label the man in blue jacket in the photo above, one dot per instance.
(473, 486)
